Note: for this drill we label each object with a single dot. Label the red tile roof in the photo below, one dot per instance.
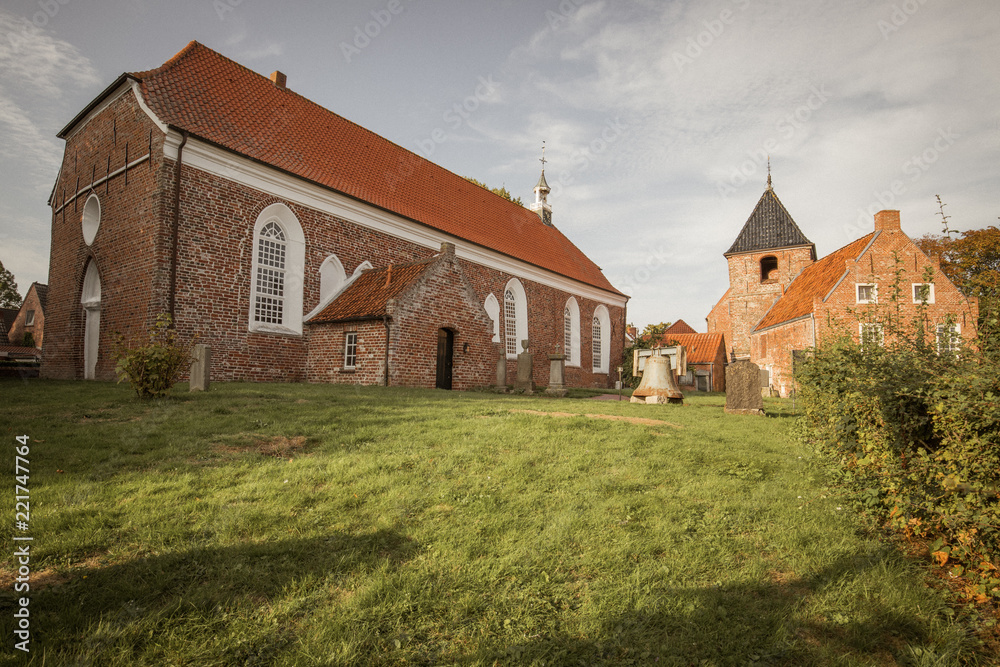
(19, 352)
(701, 348)
(680, 327)
(367, 296)
(216, 99)
(816, 280)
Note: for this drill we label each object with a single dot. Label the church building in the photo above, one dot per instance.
(782, 301)
(301, 246)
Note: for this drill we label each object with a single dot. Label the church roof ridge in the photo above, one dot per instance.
(224, 103)
(769, 226)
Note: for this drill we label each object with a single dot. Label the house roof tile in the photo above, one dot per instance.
(816, 280)
(680, 327)
(701, 348)
(368, 296)
(220, 101)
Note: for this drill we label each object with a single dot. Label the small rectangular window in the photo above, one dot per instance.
(948, 338)
(923, 292)
(350, 349)
(29, 318)
(871, 334)
(867, 293)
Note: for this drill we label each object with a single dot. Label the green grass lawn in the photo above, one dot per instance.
(320, 525)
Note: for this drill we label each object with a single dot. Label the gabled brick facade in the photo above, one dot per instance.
(849, 290)
(168, 184)
(30, 318)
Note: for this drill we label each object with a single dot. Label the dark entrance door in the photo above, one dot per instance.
(446, 349)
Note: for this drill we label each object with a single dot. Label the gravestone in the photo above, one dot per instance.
(743, 389)
(201, 362)
(525, 380)
(557, 374)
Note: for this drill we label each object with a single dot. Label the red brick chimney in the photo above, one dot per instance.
(278, 79)
(887, 220)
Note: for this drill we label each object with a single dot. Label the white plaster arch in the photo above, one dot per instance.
(282, 290)
(571, 332)
(602, 347)
(90, 299)
(492, 307)
(517, 330)
(331, 277)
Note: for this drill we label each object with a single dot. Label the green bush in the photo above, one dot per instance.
(152, 363)
(916, 435)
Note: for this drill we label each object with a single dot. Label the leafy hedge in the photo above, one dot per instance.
(151, 363)
(916, 435)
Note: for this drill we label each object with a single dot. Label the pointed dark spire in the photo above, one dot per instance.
(768, 172)
(769, 227)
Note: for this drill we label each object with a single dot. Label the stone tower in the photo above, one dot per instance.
(766, 256)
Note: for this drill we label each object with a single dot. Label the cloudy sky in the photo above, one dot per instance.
(658, 116)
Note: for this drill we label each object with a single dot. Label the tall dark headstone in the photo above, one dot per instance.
(743, 389)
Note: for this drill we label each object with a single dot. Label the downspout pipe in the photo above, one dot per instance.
(385, 321)
(175, 229)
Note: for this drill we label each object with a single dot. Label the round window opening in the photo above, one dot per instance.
(91, 218)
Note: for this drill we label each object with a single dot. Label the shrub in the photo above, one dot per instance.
(916, 435)
(152, 363)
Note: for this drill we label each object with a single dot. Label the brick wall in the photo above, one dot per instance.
(128, 247)
(20, 326)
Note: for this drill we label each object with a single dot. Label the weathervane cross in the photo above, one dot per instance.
(543, 160)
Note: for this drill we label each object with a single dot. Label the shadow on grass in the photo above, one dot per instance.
(130, 613)
(742, 624)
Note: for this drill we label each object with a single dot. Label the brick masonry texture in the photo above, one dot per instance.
(20, 326)
(133, 249)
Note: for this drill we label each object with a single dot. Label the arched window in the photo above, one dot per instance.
(90, 299)
(601, 339)
(331, 277)
(91, 218)
(276, 272)
(492, 308)
(571, 332)
(768, 268)
(515, 317)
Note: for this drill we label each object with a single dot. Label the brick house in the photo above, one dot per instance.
(294, 242)
(845, 293)
(706, 359)
(30, 318)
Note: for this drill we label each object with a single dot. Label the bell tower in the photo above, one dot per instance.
(765, 258)
(541, 204)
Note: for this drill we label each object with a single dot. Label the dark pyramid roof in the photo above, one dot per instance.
(769, 226)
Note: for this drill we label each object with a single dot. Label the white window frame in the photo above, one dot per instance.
(516, 331)
(350, 350)
(930, 292)
(955, 342)
(601, 349)
(332, 277)
(29, 318)
(875, 327)
(295, 252)
(857, 293)
(90, 221)
(571, 311)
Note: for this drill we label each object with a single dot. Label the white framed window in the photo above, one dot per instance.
(515, 317)
(350, 350)
(276, 275)
(866, 293)
(332, 277)
(601, 339)
(923, 292)
(571, 332)
(948, 337)
(29, 318)
(871, 334)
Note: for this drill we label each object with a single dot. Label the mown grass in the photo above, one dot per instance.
(323, 525)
